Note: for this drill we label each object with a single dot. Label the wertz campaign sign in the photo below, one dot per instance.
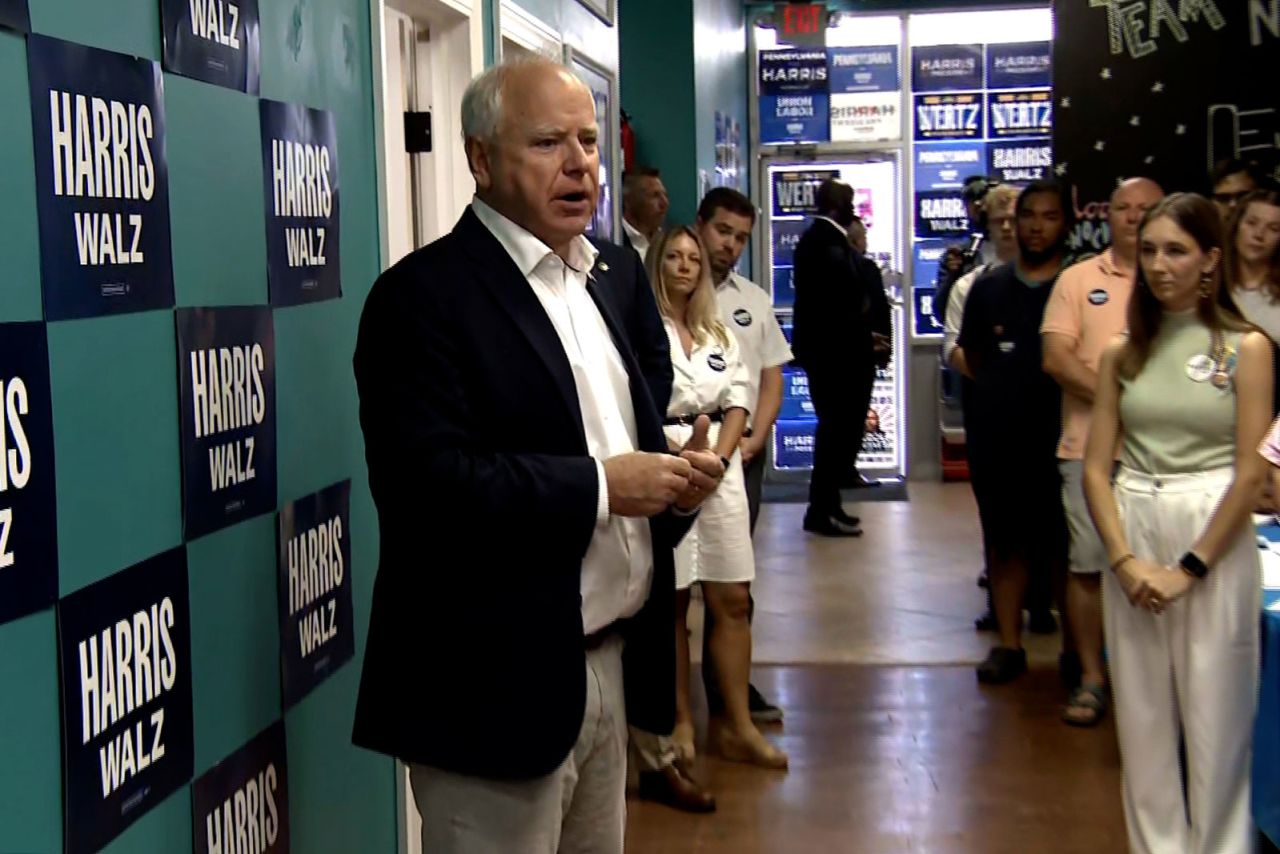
(125, 650)
(317, 632)
(226, 365)
(102, 184)
(28, 504)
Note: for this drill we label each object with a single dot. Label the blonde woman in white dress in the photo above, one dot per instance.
(710, 380)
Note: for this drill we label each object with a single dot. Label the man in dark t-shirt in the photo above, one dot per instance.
(1013, 419)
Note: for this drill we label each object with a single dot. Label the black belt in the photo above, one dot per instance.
(687, 420)
(597, 639)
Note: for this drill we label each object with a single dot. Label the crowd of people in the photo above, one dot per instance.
(576, 430)
(1115, 408)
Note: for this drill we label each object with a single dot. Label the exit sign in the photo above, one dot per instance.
(802, 24)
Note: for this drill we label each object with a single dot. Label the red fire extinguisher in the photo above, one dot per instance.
(627, 139)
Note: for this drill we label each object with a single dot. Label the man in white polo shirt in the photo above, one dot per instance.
(1085, 312)
(725, 220)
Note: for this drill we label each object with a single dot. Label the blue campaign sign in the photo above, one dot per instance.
(795, 118)
(124, 645)
(1020, 113)
(212, 40)
(946, 67)
(941, 213)
(14, 15)
(796, 405)
(793, 444)
(946, 165)
(1019, 65)
(864, 69)
(784, 72)
(948, 116)
(928, 255)
(317, 629)
(1021, 161)
(28, 503)
(102, 183)
(300, 183)
(242, 803)
(784, 289)
(227, 388)
(795, 192)
(928, 314)
(786, 234)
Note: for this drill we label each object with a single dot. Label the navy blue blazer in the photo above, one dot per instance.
(486, 501)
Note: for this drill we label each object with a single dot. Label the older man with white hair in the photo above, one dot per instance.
(527, 503)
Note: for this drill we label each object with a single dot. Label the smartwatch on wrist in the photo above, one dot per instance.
(1193, 565)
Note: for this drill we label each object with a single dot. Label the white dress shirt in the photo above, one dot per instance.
(746, 310)
(638, 241)
(617, 569)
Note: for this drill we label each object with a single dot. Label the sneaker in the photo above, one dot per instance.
(1002, 665)
(762, 711)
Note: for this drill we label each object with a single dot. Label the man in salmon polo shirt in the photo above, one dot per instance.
(1086, 311)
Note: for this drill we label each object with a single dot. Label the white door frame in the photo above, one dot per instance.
(458, 55)
(527, 30)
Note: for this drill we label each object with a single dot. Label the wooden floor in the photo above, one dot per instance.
(869, 646)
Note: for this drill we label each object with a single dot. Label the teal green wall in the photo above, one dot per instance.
(683, 60)
(655, 51)
(114, 383)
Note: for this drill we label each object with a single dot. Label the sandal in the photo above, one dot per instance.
(1086, 706)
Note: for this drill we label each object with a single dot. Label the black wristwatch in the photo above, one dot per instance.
(724, 461)
(1193, 565)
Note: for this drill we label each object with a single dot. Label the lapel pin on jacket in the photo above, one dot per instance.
(604, 268)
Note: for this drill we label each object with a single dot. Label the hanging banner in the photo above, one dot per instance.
(28, 503)
(317, 628)
(241, 805)
(928, 314)
(300, 180)
(866, 117)
(941, 213)
(1019, 66)
(946, 165)
(125, 649)
(786, 234)
(793, 443)
(102, 185)
(14, 15)
(795, 193)
(226, 366)
(1020, 113)
(863, 69)
(794, 104)
(946, 67)
(212, 40)
(948, 117)
(1020, 162)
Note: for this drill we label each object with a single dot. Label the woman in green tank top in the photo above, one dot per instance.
(1187, 398)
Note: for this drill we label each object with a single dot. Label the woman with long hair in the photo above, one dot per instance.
(1187, 397)
(1252, 259)
(710, 381)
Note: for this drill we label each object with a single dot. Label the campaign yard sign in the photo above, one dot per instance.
(317, 629)
(102, 184)
(125, 649)
(28, 503)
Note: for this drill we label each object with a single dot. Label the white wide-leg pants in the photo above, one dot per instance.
(1189, 673)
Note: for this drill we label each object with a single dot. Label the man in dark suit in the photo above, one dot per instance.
(526, 501)
(832, 340)
(878, 316)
